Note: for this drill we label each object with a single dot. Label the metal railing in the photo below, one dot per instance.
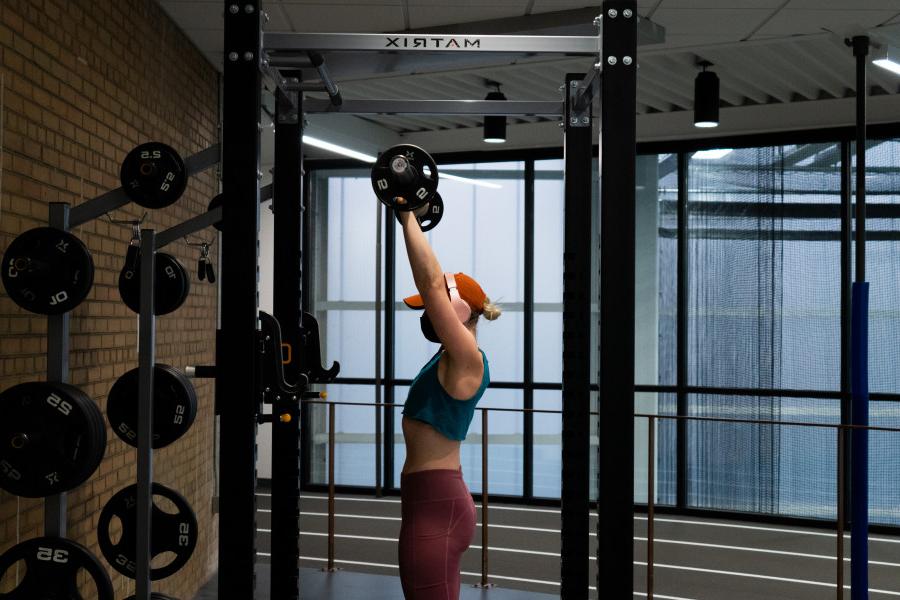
(653, 421)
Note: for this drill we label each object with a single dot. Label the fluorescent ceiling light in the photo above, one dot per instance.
(712, 154)
(887, 57)
(479, 182)
(316, 142)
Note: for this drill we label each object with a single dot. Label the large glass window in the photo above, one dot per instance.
(763, 311)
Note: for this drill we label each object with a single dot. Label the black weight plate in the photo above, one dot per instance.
(153, 175)
(174, 406)
(52, 569)
(52, 438)
(47, 271)
(176, 533)
(187, 282)
(410, 190)
(430, 219)
(429, 215)
(172, 285)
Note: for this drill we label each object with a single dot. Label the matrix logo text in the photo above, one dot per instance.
(432, 42)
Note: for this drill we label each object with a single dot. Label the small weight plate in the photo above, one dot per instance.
(404, 188)
(53, 569)
(429, 215)
(172, 285)
(52, 438)
(153, 175)
(174, 406)
(175, 533)
(47, 271)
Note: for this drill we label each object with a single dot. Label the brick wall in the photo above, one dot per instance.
(83, 82)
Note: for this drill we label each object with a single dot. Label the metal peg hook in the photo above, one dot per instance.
(134, 224)
(202, 243)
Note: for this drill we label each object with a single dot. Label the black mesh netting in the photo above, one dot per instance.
(883, 274)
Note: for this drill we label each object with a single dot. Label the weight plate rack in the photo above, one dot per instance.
(63, 217)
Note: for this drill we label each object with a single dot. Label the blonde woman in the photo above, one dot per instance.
(437, 508)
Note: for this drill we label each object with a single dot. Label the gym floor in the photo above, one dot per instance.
(696, 559)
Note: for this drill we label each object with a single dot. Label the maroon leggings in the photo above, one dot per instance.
(438, 524)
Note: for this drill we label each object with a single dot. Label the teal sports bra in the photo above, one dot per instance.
(429, 402)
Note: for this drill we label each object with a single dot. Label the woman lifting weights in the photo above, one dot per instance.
(437, 508)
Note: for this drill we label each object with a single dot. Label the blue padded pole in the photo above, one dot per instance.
(859, 489)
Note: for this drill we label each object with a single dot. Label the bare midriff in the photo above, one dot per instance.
(427, 448)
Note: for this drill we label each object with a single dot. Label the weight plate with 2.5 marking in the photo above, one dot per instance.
(172, 284)
(52, 438)
(53, 571)
(153, 175)
(174, 406)
(170, 532)
(47, 271)
(404, 177)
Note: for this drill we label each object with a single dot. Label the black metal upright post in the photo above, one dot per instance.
(859, 373)
(615, 529)
(846, 287)
(287, 305)
(307, 304)
(528, 328)
(144, 458)
(681, 355)
(55, 507)
(576, 379)
(236, 379)
(390, 279)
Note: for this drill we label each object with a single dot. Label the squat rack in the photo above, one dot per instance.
(281, 60)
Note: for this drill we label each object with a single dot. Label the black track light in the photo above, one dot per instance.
(706, 98)
(495, 125)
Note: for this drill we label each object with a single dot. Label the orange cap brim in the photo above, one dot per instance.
(414, 302)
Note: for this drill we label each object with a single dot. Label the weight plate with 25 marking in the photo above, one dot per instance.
(52, 438)
(174, 406)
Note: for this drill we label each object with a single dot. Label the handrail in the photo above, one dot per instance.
(652, 420)
(636, 415)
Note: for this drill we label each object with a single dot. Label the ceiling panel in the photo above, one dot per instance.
(735, 22)
(336, 18)
(788, 60)
(848, 5)
(721, 4)
(792, 21)
(433, 16)
(361, 3)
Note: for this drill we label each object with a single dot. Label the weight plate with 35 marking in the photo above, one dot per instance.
(54, 570)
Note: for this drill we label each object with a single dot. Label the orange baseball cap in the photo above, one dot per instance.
(468, 288)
